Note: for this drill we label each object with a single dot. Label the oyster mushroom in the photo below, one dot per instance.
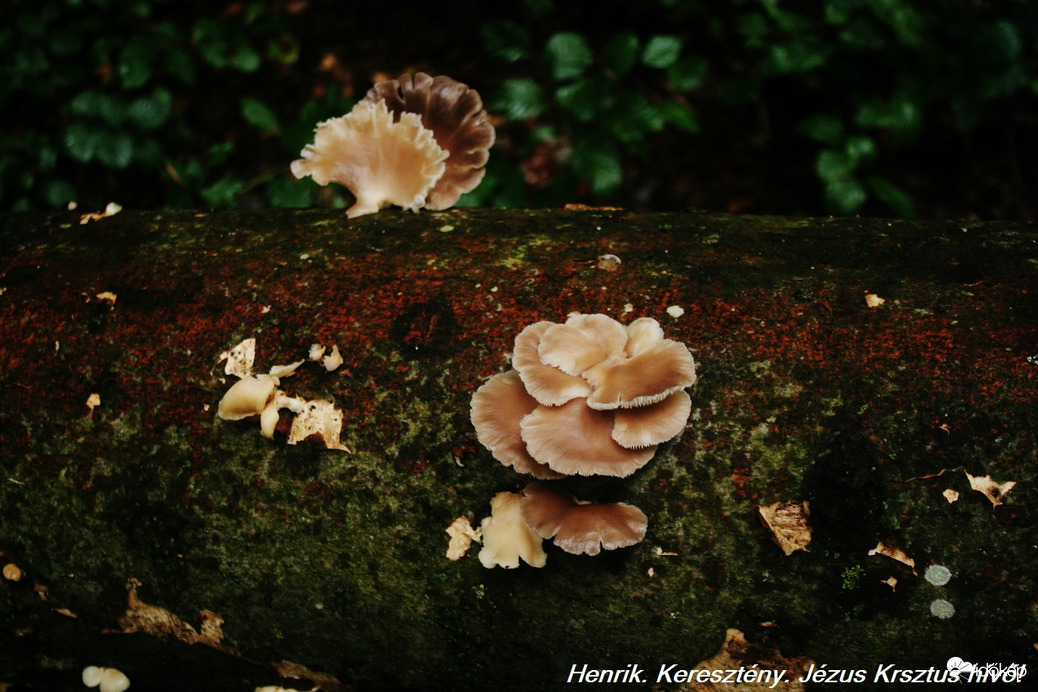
(506, 538)
(382, 161)
(458, 121)
(587, 397)
(579, 527)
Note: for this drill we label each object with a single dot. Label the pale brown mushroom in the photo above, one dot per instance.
(575, 439)
(545, 383)
(455, 114)
(506, 538)
(654, 374)
(381, 161)
(580, 527)
(496, 411)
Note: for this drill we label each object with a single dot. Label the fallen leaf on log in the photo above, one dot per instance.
(788, 524)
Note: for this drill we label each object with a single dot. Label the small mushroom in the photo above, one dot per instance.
(455, 114)
(506, 538)
(248, 397)
(105, 679)
(579, 527)
(380, 161)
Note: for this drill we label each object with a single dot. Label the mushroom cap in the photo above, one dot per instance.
(576, 439)
(455, 114)
(506, 538)
(497, 409)
(655, 373)
(380, 161)
(648, 426)
(545, 383)
(247, 397)
(580, 527)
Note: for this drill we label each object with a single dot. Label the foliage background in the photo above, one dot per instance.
(886, 107)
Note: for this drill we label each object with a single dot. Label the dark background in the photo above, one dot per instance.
(890, 108)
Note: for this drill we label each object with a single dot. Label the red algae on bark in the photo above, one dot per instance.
(806, 392)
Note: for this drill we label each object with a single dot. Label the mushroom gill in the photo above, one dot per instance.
(579, 527)
(458, 121)
(381, 161)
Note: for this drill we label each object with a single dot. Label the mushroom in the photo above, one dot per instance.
(498, 407)
(579, 527)
(381, 161)
(587, 397)
(455, 114)
(106, 679)
(248, 397)
(506, 538)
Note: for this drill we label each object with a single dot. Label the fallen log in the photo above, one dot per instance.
(855, 486)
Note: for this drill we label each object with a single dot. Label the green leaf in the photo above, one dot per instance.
(600, 165)
(845, 197)
(681, 115)
(245, 59)
(218, 154)
(860, 149)
(621, 53)
(833, 166)
(687, 73)
(505, 40)
(891, 195)
(259, 115)
(115, 149)
(823, 127)
(135, 62)
(568, 55)
(100, 106)
(151, 112)
(289, 193)
(519, 99)
(662, 51)
(901, 114)
(58, 193)
(82, 141)
(224, 192)
(584, 99)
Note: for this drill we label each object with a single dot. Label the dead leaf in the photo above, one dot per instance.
(987, 485)
(111, 210)
(873, 300)
(893, 554)
(951, 495)
(159, 622)
(738, 653)
(240, 359)
(788, 524)
(318, 418)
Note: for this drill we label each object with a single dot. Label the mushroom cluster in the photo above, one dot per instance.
(417, 141)
(585, 397)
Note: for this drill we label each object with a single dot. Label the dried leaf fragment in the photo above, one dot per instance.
(788, 524)
(873, 301)
(893, 554)
(951, 495)
(240, 359)
(737, 653)
(318, 418)
(988, 486)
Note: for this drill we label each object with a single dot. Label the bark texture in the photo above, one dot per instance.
(871, 369)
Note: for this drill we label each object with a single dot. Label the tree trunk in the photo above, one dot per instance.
(883, 373)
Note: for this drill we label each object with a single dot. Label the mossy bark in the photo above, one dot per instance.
(869, 411)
